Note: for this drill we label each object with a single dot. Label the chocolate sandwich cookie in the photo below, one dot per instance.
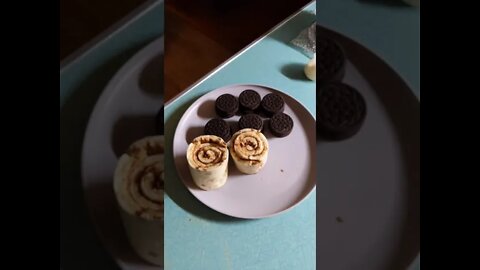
(281, 125)
(272, 104)
(226, 105)
(249, 101)
(159, 125)
(341, 111)
(331, 60)
(234, 127)
(218, 127)
(251, 121)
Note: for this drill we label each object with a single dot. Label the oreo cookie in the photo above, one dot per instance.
(281, 125)
(341, 111)
(331, 60)
(249, 101)
(271, 104)
(234, 127)
(218, 127)
(226, 105)
(250, 121)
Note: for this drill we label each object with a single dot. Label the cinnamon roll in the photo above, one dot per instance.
(139, 189)
(207, 157)
(249, 150)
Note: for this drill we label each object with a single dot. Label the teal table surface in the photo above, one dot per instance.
(82, 79)
(197, 237)
(389, 28)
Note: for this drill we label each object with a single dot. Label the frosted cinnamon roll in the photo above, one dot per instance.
(207, 158)
(249, 150)
(139, 189)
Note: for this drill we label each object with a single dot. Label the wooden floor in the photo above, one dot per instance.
(82, 20)
(199, 34)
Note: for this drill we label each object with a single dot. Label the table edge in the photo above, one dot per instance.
(235, 56)
(118, 26)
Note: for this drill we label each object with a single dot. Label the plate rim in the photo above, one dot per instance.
(415, 260)
(269, 88)
(103, 98)
(376, 55)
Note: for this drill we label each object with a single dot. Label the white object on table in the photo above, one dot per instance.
(311, 68)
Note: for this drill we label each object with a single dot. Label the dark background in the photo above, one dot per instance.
(200, 34)
(82, 20)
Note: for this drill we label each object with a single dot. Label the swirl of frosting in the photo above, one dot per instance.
(206, 152)
(207, 157)
(139, 178)
(249, 150)
(251, 145)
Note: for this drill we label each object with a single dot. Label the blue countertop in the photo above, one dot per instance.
(389, 28)
(195, 235)
(199, 238)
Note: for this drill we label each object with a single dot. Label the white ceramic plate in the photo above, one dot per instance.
(368, 196)
(287, 178)
(124, 113)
